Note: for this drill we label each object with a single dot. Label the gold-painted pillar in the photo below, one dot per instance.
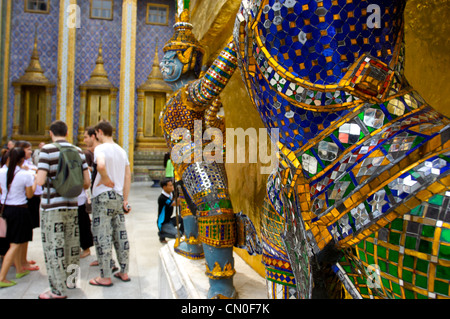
(127, 78)
(6, 5)
(16, 111)
(66, 67)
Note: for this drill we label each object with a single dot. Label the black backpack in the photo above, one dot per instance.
(69, 180)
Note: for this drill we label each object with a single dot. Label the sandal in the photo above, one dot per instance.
(22, 274)
(94, 282)
(118, 276)
(50, 295)
(7, 284)
(31, 268)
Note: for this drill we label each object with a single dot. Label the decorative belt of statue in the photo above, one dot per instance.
(359, 205)
(189, 115)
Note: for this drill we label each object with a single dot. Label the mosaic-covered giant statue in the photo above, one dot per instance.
(360, 201)
(190, 113)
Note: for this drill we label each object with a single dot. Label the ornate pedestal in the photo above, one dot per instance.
(182, 278)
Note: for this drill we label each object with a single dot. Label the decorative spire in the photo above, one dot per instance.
(155, 81)
(34, 74)
(99, 76)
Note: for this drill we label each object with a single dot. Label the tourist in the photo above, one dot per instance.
(109, 204)
(16, 186)
(59, 215)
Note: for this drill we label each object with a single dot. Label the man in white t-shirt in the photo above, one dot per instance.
(109, 204)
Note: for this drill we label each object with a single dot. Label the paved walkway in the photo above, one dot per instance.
(144, 258)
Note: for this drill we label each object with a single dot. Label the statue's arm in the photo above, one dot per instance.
(204, 90)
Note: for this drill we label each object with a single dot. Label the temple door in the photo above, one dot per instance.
(98, 107)
(33, 110)
(153, 104)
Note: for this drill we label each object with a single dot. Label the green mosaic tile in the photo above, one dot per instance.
(441, 287)
(436, 200)
(396, 288)
(425, 246)
(382, 265)
(393, 270)
(409, 294)
(428, 231)
(421, 281)
(417, 211)
(407, 276)
(422, 265)
(408, 261)
(369, 247)
(444, 252)
(394, 239)
(370, 259)
(393, 256)
(381, 252)
(445, 235)
(443, 272)
(410, 242)
(397, 224)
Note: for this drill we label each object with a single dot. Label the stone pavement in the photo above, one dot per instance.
(144, 258)
(145, 271)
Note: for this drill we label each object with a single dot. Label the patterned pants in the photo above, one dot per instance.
(108, 227)
(61, 245)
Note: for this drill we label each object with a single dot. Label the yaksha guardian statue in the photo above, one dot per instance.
(190, 124)
(359, 205)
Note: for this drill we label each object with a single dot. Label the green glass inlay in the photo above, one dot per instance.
(421, 281)
(370, 259)
(444, 252)
(417, 211)
(393, 255)
(397, 224)
(362, 256)
(369, 247)
(408, 261)
(393, 270)
(407, 276)
(441, 287)
(396, 288)
(394, 238)
(422, 265)
(425, 246)
(443, 272)
(409, 294)
(428, 231)
(445, 235)
(381, 252)
(436, 200)
(382, 265)
(410, 242)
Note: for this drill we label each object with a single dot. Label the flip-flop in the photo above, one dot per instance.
(117, 275)
(31, 268)
(22, 274)
(94, 282)
(50, 295)
(7, 284)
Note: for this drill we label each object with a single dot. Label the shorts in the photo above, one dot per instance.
(19, 226)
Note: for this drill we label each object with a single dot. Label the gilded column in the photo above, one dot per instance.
(127, 78)
(5, 5)
(66, 67)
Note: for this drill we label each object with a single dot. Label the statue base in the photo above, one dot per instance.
(182, 278)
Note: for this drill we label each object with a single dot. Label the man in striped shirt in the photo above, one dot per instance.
(59, 216)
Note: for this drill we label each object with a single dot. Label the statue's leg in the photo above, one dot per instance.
(207, 184)
(280, 279)
(190, 247)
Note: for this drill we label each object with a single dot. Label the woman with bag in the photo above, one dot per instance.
(33, 203)
(16, 186)
(4, 245)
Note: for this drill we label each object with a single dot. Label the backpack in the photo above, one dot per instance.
(69, 180)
